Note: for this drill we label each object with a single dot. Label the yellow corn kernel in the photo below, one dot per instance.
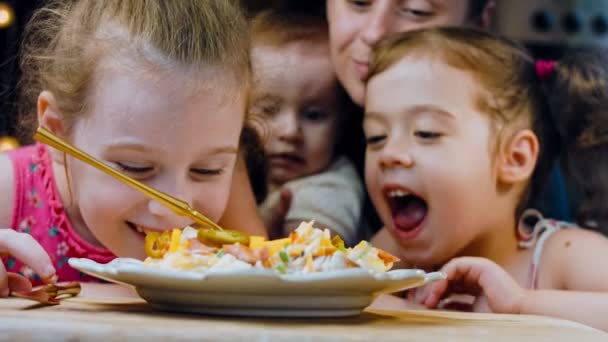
(327, 248)
(274, 246)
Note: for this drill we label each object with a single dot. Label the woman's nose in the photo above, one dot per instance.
(377, 25)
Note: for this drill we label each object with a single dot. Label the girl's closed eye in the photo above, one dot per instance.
(374, 140)
(428, 135)
(134, 169)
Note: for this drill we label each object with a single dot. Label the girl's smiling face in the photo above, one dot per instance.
(167, 130)
(429, 166)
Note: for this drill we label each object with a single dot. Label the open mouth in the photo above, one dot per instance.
(408, 211)
(141, 229)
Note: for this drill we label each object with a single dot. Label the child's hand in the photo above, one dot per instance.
(474, 276)
(276, 221)
(23, 247)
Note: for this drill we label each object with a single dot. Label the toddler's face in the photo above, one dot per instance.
(356, 27)
(429, 168)
(295, 91)
(165, 130)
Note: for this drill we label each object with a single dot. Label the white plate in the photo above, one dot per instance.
(256, 292)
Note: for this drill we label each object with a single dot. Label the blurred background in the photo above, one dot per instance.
(13, 16)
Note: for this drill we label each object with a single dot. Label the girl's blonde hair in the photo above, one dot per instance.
(66, 40)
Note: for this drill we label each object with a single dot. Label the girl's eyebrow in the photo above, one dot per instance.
(431, 109)
(416, 110)
(127, 145)
(223, 150)
(227, 149)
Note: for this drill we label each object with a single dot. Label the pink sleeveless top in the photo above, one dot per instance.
(38, 211)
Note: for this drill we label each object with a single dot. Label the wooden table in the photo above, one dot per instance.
(112, 312)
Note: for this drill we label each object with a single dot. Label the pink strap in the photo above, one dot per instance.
(536, 239)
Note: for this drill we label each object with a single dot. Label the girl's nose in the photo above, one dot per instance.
(394, 155)
(164, 215)
(377, 25)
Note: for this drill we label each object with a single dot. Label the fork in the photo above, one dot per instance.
(50, 294)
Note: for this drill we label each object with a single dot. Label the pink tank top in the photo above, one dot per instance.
(38, 211)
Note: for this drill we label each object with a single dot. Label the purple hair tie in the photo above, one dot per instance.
(544, 68)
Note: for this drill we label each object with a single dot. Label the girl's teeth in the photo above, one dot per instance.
(397, 193)
(143, 230)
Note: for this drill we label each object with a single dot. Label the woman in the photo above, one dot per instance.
(356, 27)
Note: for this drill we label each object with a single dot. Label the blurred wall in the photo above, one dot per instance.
(551, 27)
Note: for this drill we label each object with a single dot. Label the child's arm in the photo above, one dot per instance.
(241, 212)
(578, 259)
(590, 308)
(20, 245)
(504, 295)
(276, 218)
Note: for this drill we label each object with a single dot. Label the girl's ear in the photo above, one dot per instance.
(50, 118)
(518, 157)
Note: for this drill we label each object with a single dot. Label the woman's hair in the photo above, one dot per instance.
(562, 110)
(475, 11)
(67, 40)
